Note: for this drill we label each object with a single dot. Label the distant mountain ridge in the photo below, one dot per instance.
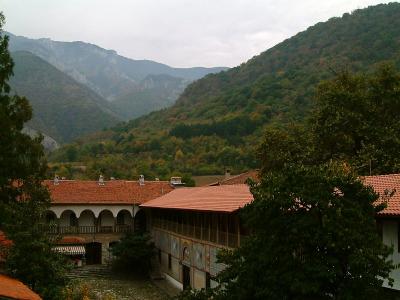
(63, 109)
(112, 76)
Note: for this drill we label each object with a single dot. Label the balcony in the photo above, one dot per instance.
(213, 235)
(63, 230)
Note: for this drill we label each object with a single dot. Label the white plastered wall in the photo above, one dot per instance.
(390, 238)
(65, 218)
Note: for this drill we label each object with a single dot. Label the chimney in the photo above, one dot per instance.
(227, 173)
(176, 182)
(141, 180)
(56, 180)
(101, 180)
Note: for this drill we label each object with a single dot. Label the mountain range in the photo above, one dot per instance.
(219, 120)
(62, 108)
(131, 87)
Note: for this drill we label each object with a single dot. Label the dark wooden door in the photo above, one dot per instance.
(185, 276)
(93, 253)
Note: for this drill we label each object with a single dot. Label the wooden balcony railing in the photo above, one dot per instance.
(213, 235)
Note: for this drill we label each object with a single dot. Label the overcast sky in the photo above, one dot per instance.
(180, 33)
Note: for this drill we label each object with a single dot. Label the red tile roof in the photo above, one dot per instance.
(386, 184)
(238, 179)
(241, 178)
(71, 240)
(204, 180)
(223, 198)
(112, 192)
(5, 245)
(14, 289)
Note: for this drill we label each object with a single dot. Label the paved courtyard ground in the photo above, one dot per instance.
(118, 289)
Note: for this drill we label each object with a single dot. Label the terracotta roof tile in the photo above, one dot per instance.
(385, 184)
(112, 192)
(71, 240)
(238, 179)
(5, 245)
(15, 289)
(224, 198)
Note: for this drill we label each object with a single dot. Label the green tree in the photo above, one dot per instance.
(23, 199)
(313, 237)
(133, 254)
(356, 120)
(32, 259)
(281, 145)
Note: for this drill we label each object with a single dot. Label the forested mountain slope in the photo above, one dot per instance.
(62, 108)
(154, 91)
(112, 76)
(218, 120)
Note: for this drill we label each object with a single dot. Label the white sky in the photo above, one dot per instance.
(181, 33)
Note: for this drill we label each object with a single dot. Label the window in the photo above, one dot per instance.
(159, 256)
(169, 262)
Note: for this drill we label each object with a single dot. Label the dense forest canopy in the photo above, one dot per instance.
(219, 120)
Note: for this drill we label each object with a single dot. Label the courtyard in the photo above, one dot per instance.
(112, 288)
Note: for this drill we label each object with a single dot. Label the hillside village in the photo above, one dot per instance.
(275, 179)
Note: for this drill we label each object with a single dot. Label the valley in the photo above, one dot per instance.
(219, 121)
(97, 86)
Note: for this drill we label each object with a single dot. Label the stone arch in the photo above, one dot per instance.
(50, 216)
(106, 221)
(87, 218)
(124, 217)
(68, 218)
